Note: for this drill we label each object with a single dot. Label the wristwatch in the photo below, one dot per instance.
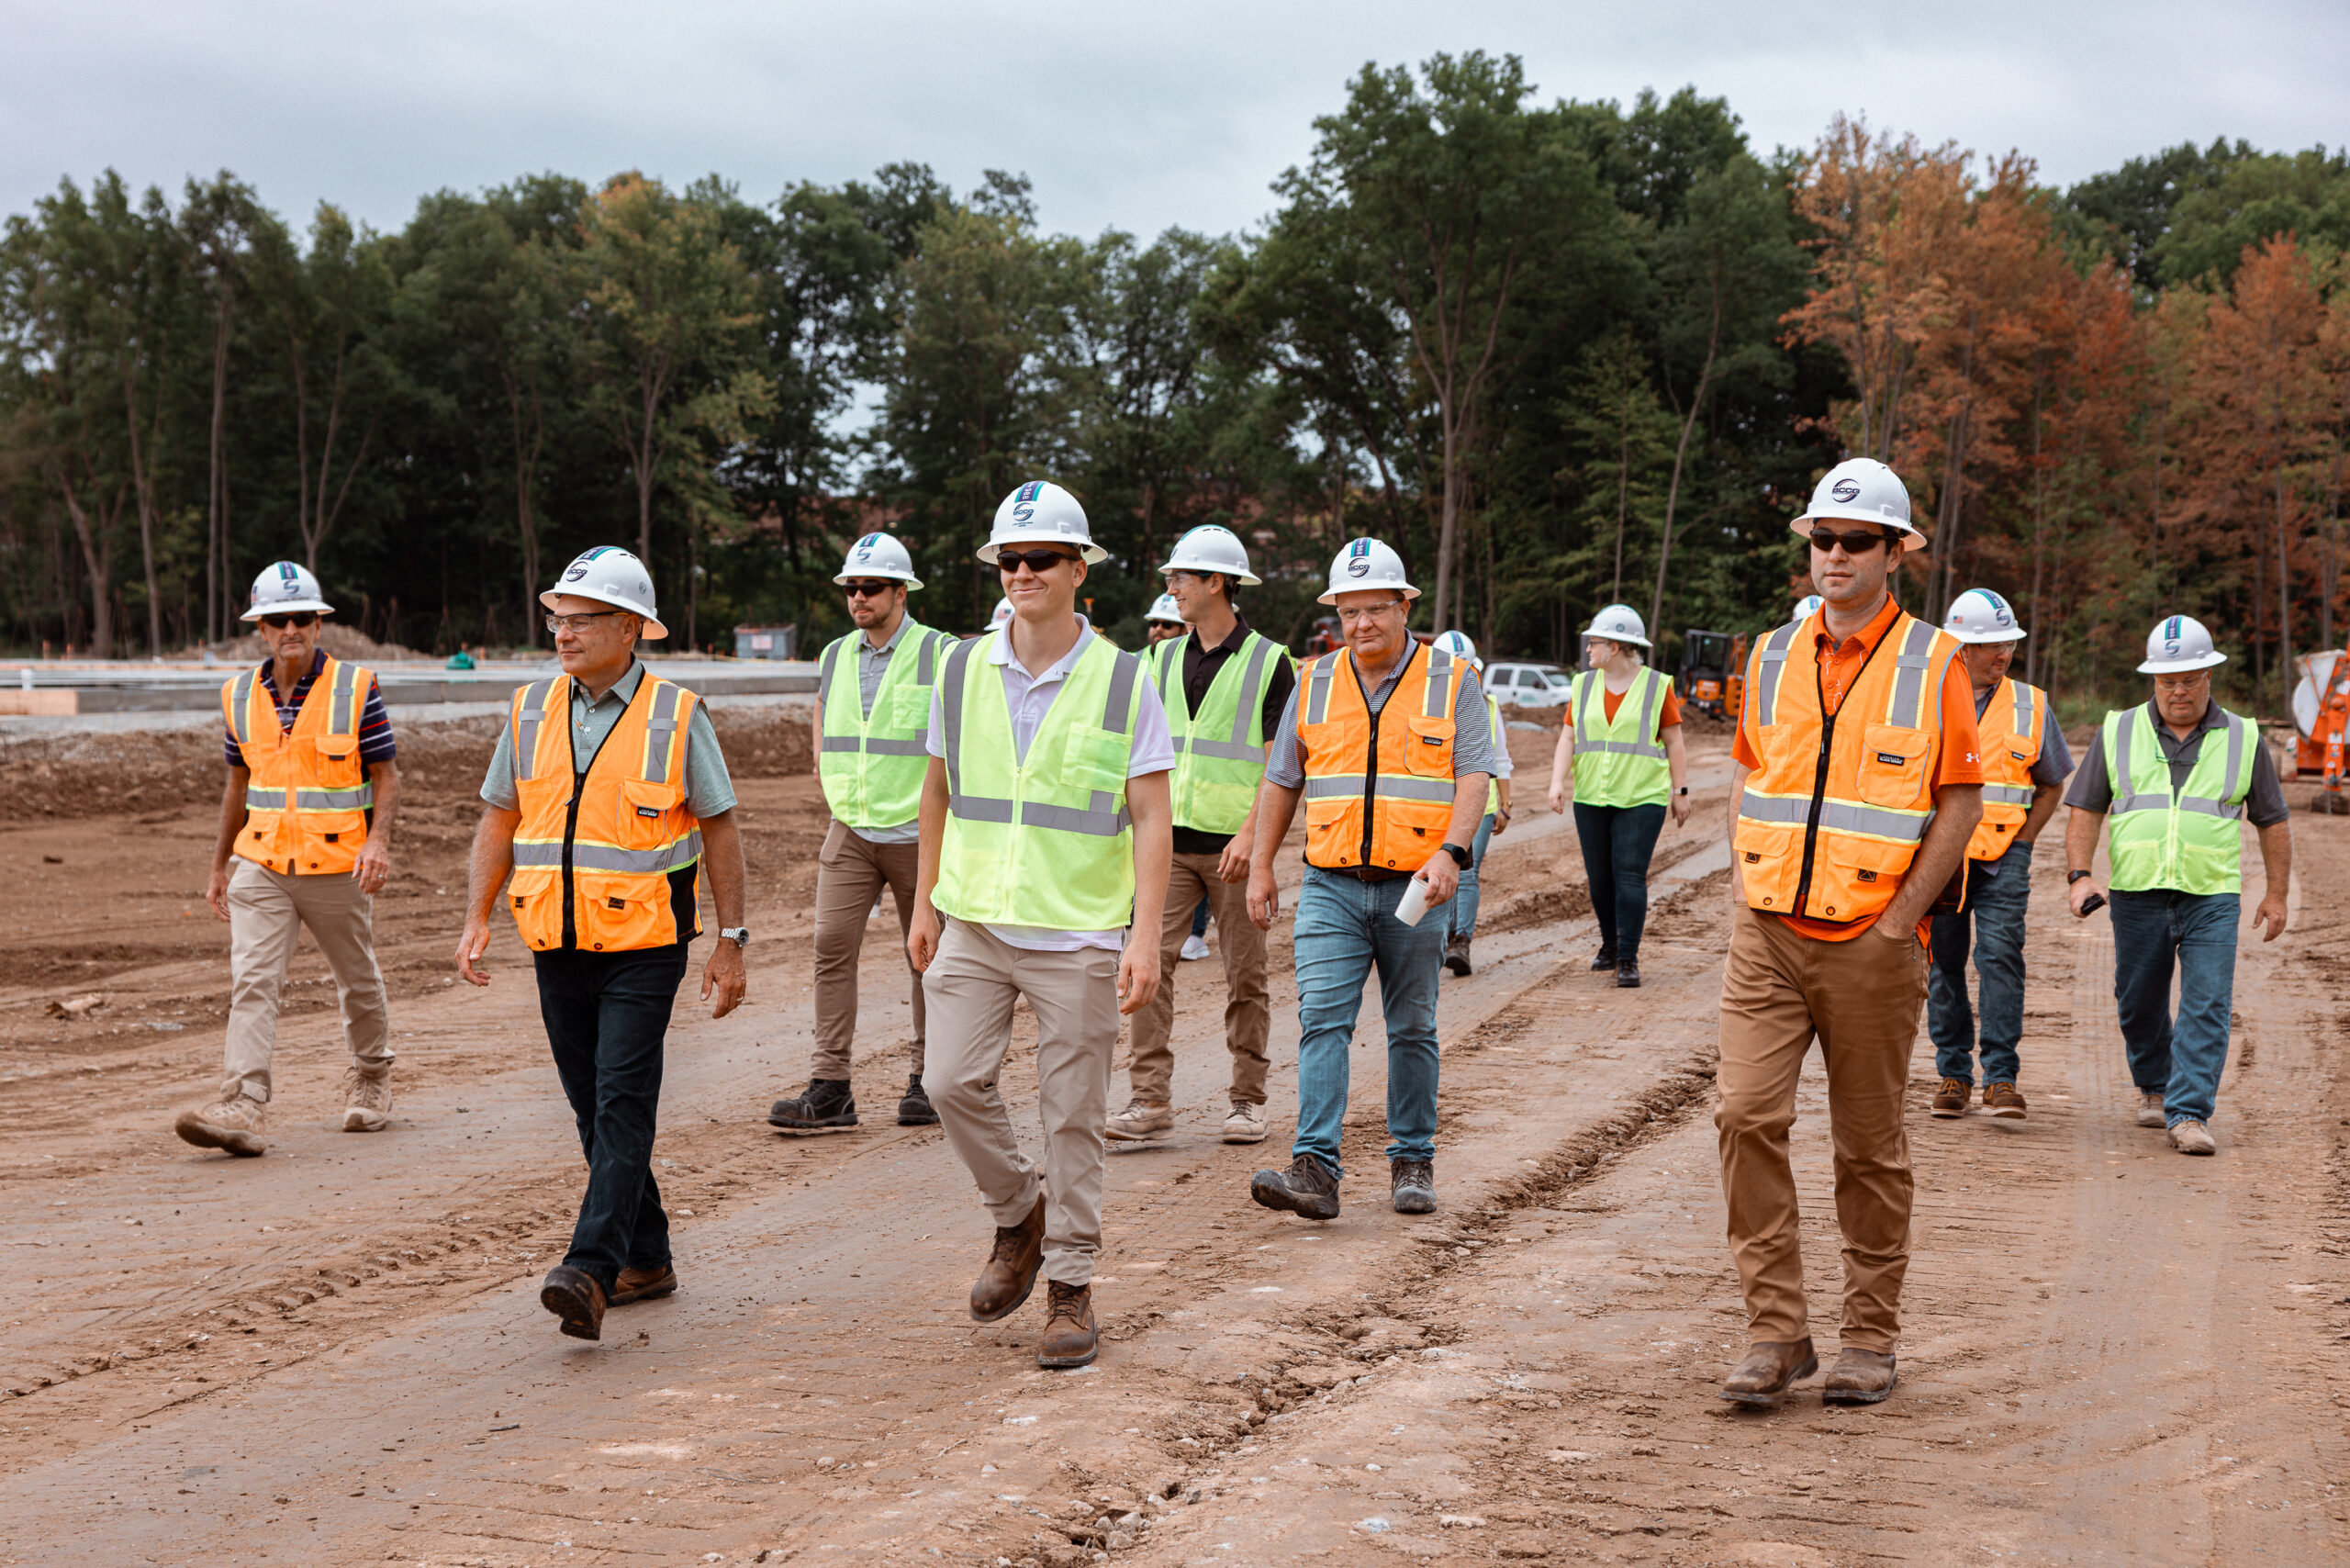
(1459, 856)
(738, 934)
(1683, 791)
(2072, 877)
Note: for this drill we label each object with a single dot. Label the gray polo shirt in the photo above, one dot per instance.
(1472, 740)
(2092, 788)
(710, 790)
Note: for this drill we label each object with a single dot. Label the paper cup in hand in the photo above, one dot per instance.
(1415, 901)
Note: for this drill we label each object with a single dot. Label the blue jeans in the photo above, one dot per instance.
(2195, 933)
(1617, 843)
(1200, 919)
(1345, 927)
(1460, 914)
(1993, 923)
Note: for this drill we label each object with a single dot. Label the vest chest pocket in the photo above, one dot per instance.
(1097, 760)
(906, 709)
(1429, 751)
(644, 811)
(340, 752)
(1893, 766)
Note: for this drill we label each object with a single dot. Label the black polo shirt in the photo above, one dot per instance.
(1201, 666)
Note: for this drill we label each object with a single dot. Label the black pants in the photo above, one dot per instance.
(606, 1014)
(1617, 843)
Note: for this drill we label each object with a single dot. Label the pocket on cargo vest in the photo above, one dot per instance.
(1851, 877)
(1770, 862)
(535, 897)
(1097, 760)
(1429, 754)
(337, 751)
(1894, 760)
(644, 811)
(620, 914)
(908, 709)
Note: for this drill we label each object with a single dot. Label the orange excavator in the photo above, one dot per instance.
(2322, 715)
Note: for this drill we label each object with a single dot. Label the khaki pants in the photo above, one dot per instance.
(1248, 1007)
(266, 913)
(851, 872)
(1860, 999)
(972, 983)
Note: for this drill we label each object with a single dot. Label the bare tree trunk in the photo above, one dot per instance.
(98, 561)
(142, 478)
(1623, 509)
(2284, 596)
(217, 578)
(1680, 458)
(526, 468)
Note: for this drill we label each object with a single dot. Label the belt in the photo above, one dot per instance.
(1364, 873)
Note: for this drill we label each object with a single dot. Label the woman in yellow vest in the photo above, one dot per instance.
(605, 797)
(1621, 733)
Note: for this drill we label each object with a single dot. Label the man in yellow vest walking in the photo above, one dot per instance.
(872, 710)
(306, 833)
(1044, 834)
(1858, 787)
(2025, 760)
(1223, 688)
(2178, 776)
(605, 797)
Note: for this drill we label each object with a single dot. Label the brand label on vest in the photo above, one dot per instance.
(1892, 759)
(1432, 740)
(648, 810)
(1868, 876)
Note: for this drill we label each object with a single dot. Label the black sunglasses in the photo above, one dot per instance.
(869, 590)
(298, 618)
(1037, 561)
(1824, 540)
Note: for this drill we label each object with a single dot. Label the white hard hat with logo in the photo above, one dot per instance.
(1805, 605)
(1041, 512)
(1164, 608)
(284, 588)
(1978, 615)
(609, 574)
(1619, 623)
(878, 555)
(1367, 563)
(1209, 548)
(1860, 489)
(1458, 644)
(1002, 612)
(2177, 644)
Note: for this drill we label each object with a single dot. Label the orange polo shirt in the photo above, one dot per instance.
(1960, 761)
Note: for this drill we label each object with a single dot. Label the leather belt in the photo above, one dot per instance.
(1365, 873)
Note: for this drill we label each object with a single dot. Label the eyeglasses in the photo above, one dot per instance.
(1348, 617)
(1037, 561)
(1824, 540)
(867, 590)
(298, 618)
(560, 623)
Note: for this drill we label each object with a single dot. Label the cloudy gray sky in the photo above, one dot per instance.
(1138, 116)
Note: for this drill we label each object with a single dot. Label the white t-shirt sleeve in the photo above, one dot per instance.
(934, 741)
(1154, 747)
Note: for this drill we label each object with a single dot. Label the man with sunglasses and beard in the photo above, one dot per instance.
(306, 828)
(1858, 788)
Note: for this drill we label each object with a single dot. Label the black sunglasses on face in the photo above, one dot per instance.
(867, 590)
(1037, 561)
(298, 618)
(1824, 540)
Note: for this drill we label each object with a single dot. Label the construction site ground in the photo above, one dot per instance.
(335, 1354)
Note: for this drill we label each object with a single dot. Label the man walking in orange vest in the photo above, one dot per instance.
(305, 831)
(605, 796)
(1858, 786)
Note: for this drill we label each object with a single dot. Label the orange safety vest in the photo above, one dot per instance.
(1832, 820)
(2010, 727)
(596, 850)
(1379, 796)
(306, 804)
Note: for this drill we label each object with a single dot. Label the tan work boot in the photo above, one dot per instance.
(2192, 1138)
(2004, 1100)
(235, 1124)
(2150, 1111)
(366, 1099)
(1951, 1098)
(573, 1295)
(1069, 1337)
(1246, 1125)
(1768, 1370)
(1859, 1377)
(1139, 1123)
(643, 1284)
(1010, 1273)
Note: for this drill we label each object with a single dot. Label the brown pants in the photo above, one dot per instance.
(1248, 1007)
(266, 913)
(1860, 999)
(851, 872)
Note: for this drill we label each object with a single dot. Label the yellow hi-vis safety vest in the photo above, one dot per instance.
(306, 804)
(596, 850)
(1501, 740)
(2010, 729)
(1621, 761)
(1043, 840)
(2189, 841)
(871, 766)
(1220, 751)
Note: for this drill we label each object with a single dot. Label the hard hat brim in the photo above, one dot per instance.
(1976, 638)
(2211, 660)
(652, 630)
(1406, 589)
(1617, 637)
(1244, 577)
(908, 579)
(1832, 514)
(288, 607)
(1093, 554)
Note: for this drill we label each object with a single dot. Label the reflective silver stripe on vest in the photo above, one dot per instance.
(660, 728)
(2234, 781)
(950, 712)
(1122, 695)
(1585, 707)
(241, 705)
(1905, 708)
(1316, 708)
(925, 661)
(259, 800)
(1106, 819)
(536, 853)
(2021, 724)
(1835, 816)
(346, 695)
(1438, 704)
(611, 857)
(2008, 794)
(1400, 786)
(979, 808)
(1770, 664)
(1329, 786)
(526, 728)
(357, 800)
(831, 667)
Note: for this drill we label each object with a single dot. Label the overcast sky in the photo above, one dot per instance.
(1137, 115)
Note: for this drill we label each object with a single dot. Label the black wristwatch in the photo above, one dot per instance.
(2072, 877)
(1459, 856)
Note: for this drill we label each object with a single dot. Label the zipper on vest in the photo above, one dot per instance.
(1826, 749)
(579, 788)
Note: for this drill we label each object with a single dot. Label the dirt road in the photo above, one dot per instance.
(335, 1354)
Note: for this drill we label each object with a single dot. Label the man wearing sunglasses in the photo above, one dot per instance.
(1859, 787)
(872, 712)
(306, 828)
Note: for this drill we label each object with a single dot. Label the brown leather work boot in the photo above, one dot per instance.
(2004, 1100)
(1950, 1097)
(1069, 1337)
(643, 1284)
(1768, 1369)
(1010, 1271)
(1859, 1377)
(574, 1295)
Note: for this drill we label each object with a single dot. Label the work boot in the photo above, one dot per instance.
(1414, 1183)
(915, 1109)
(2004, 1100)
(2150, 1111)
(1246, 1125)
(574, 1295)
(2191, 1137)
(235, 1124)
(1456, 954)
(643, 1284)
(1952, 1097)
(1627, 973)
(366, 1099)
(1308, 1187)
(1768, 1370)
(1071, 1340)
(1139, 1122)
(1859, 1377)
(1011, 1270)
(1605, 960)
(1194, 949)
(826, 1108)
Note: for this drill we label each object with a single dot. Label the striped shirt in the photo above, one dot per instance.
(376, 741)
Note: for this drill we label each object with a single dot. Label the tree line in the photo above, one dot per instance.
(1558, 354)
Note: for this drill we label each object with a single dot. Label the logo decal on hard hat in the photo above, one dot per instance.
(288, 574)
(864, 551)
(1846, 490)
(1023, 502)
(1358, 558)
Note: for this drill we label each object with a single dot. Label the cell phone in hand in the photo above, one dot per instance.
(2091, 904)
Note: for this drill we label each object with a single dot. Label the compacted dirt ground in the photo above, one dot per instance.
(335, 1354)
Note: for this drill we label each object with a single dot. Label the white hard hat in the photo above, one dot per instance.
(1978, 615)
(1002, 612)
(284, 588)
(1860, 489)
(1805, 605)
(878, 555)
(1209, 548)
(609, 574)
(1041, 512)
(1619, 623)
(1164, 608)
(2179, 644)
(1458, 644)
(1367, 563)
